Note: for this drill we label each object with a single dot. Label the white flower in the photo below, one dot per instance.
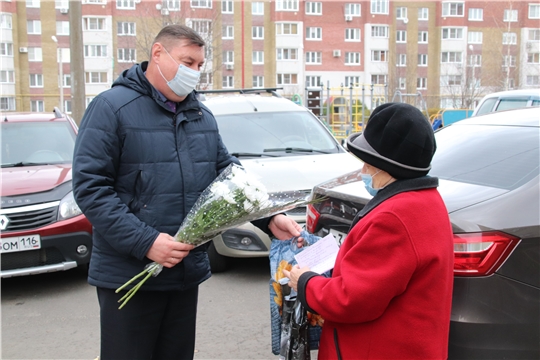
(247, 205)
(220, 189)
(229, 198)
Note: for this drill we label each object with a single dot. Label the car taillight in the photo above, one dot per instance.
(481, 254)
(312, 218)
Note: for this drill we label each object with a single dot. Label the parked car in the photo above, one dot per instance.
(42, 228)
(285, 146)
(507, 100)
(488, 167)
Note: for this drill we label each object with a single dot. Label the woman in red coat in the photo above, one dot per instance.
(390, 293)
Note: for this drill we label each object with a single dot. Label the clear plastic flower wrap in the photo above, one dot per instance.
(233, 198)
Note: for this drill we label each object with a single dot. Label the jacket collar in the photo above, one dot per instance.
(397, 187)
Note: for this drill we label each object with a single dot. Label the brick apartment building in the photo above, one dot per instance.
(449, 53)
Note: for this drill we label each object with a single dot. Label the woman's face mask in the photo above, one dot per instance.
(368, 183)
(185, 79)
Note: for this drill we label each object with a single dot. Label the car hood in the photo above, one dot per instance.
(456, 195)
(292, 173)
(34, 179)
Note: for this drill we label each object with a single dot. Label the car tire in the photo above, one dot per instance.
(218, 262)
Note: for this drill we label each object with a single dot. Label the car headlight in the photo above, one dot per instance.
(68, 208)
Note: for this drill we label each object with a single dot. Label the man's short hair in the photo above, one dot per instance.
(172, 33)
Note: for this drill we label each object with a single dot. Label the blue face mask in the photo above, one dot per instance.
(185, 80)
(368, 183)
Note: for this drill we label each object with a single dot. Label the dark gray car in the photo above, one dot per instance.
(488, 168)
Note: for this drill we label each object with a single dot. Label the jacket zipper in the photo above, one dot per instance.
(336, 344)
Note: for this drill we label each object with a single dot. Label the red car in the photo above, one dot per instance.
(41, 227)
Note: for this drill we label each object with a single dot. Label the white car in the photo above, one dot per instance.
(285, 146)
(507, 100)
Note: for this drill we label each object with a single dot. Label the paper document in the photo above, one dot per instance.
(319, 257)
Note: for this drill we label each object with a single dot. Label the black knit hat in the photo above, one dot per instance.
(398, 139)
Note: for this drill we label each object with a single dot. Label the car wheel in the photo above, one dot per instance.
(218, 262)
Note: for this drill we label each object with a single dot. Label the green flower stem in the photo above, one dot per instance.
(128, 295)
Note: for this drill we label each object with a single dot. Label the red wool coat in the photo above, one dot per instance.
(390, 293)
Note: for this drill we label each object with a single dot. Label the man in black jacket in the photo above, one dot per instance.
(145, 151)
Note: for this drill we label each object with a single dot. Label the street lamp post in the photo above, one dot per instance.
(473, 87)
(60, 72)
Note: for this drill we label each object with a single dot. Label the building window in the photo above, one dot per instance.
(93, 23)
(422, 59)
(228, 57)
(36, 80)
(402, 83)
(379, 6)
(201, 4)
(33, 27)
(287, 29)
(422, 37)
(476, 14)
(35, 54)
(474, 37)
(62, 28)
(451, 80)
(258, 81)
(203, 27)
(32, 3)
(379, 55)
(95, 51)
(37, 106)
(533, 80)
(353, 9)
(313, 8)
(171, 5)
(423, 14)
(257, 32)
(378, 79)
(228, 32)
(6, 21)
(228, 82)
(352, 58)
(126, 55)
(96, 77)
(451, 57)
(287, 54)
(7, 103)
(126, 28)
(379, 31)
(62, 4)
(352, 35)
(533, 58)
(509, 61)
(534, 34)
(125, 4)
(313, 33)
(257, 8)
(352, 80)
(510, 15)
(401, 13)
(474, 60)
(452, 33)
(534, 11)
(287, 79)
(227, 6)
(7, 76)
(257, 57)
(314, 57)
(66, 80)
(452, 9)
(421, 83)
(401, 36)
(206, 78)
(402, 60)
(509, 38)
(6, 49)
(313, 81)
(287, 5)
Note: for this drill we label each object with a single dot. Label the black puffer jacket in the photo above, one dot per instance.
(138, 169)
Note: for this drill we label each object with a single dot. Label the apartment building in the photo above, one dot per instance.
(449, 53)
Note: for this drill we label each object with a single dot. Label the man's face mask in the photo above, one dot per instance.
(185, 79)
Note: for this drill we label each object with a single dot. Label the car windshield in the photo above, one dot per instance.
(275, 134)
(503, 157)
(36, 143)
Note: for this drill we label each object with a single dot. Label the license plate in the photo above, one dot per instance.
(340, 237)
(20, 243)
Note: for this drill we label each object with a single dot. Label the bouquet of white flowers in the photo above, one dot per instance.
(233, 198)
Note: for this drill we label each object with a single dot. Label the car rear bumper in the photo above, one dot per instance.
(57, 253)
(494, 318)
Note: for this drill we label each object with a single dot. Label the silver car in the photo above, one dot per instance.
(285, 146)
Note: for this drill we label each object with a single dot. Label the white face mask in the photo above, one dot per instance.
(184, 81)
